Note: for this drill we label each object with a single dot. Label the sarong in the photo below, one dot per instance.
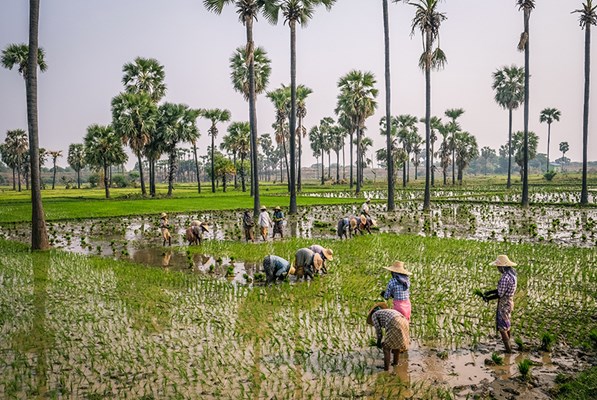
(403, 307)
(504, 313)
(397, 334)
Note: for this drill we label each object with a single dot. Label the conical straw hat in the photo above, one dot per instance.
(503, 261)
(380, 305)
(398, 267)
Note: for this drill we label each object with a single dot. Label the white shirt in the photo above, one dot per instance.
(365, 208)
(264, 219)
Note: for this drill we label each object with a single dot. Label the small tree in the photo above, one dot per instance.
(76, 160)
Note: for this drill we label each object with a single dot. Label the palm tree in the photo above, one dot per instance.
(294, 12)
(54, 154)
(549, 115)
(280, 98)
(445, 151)
(10, 57)
(466, 151)
(10, 162)
(247, 11)
(487, 153)
(357, 100)
(454, 127)
(302, 92)
(526, 6)
(16, 147)
(103, 148)
(564, 147)
(145, 75)
(508, 84)
(134, 118)
(336, 141)
(239, 141)
(406, 126)
(317, 145)
(428, 20)
(76, 160)
(518, 147)
(18, 55)
(588, 17)
(197, 171)
(214, 115)
(176, 123)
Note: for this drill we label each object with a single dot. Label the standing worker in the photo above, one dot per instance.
(399, 288)
(248, 226)
(278, 222)
(505, 296)
(264, 222)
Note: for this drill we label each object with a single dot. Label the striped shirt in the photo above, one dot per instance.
(507, 285)
(382, 318)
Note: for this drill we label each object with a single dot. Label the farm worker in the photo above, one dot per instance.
(397, 338)
(264, 222)
(505, 296)
(365, 207)
(325, 254)
(194, 234)
(399, 288)
(165, 229)
(307, 262)
(278, 222)
(343, 227)
(248, 226)
(365, 223)
(354, 225)
(276, 268)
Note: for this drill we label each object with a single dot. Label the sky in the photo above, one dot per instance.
(88, 42)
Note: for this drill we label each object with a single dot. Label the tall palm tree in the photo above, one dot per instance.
(247, 11)
(549, 115)
(215, 115)
(317, 145)
(406, 126)
(588, 17)
(280, 98)
(466, 151)
(518, 147)
(564, 147)
(239, 137)
(302, 92)
(134, 118)
(103, 148)
(294, 12)
(454, 127)
(508, 84)
(428, 21)
(357, 98)
(145, 75)
(176, 123)
(526, 6)
(17, 146)
(54, 154)
(76, 159)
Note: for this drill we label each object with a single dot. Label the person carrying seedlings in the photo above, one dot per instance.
(165, 229)
(325, 254)
(264, 222)
(248, 224)
(399, 289)
(307, 262)
(276, 268)
(278, 222)
(505, 296)
(397, 332)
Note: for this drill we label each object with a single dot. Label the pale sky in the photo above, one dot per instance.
(87, 43)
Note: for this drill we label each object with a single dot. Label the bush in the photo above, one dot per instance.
(119, 181)
(94, 180)
(549, 175)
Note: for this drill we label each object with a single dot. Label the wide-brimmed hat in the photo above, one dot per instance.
(163, 215)
(376, 307)
(353, 223)
(317, 262)
(363, 219)
(277, 208)
(292, 270)
(329, 254)
(263, 208)
(398, 267)
(204, 226)
(503, 261)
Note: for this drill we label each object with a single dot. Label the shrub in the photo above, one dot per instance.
(119, 181)
(94, 180)
(549, 175)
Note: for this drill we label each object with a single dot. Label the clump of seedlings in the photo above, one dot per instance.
(548, 340)
(524, 368)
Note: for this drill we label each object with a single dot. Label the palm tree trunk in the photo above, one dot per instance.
(39, 234)
(19, 176)
(509, 184)
(197, 168)
(14, 178)
(106, 185)
(322, 167)
(252, 117)
(292, 123)
(171, 171)
(235, 168)
(389, 160)
(329, 165)
(213, 173)
(286, 161)
(141, 176)
(359, 166)
(79, 178)
(299, 178)
(525, 179)
(242, 171)
(54, 175)
(404, 172)
(584, 193)
(351, 161)
(224, 182)
(432, 165)
(343, 162)
(338, 165)
(427, 200)
(548, 141)
(453, 159)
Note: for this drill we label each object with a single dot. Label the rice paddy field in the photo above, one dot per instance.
(112, 314)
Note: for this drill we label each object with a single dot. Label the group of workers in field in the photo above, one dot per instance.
(391, 323)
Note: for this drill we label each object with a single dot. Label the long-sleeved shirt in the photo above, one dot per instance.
(278, 216)
(280, 265)
(365, 208)
(507, 285)
(397, 290)
(304, 257)
(381, 319)
(264, 219)
(247, 220)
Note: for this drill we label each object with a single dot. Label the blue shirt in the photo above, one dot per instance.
(397, 290)
(280, 265)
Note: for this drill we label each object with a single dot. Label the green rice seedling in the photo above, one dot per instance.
(520, 344)
(524, 368)
(497, 359)
(547, 341)
(593, 337)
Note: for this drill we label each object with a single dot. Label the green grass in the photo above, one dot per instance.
(581, 387)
